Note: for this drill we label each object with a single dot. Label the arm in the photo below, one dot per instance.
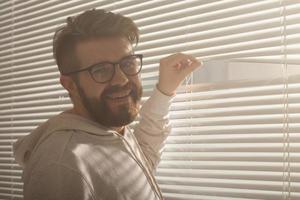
(57, 182)
(154, 126)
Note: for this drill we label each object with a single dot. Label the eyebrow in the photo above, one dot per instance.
(107, 61)
(127, 54)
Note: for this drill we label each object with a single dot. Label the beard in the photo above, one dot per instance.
(113, 115)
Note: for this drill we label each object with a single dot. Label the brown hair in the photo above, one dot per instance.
(90, 24)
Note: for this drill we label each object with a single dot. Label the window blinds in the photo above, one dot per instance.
(227, 143)
(230, 140)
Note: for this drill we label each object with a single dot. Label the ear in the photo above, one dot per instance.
(68, 83)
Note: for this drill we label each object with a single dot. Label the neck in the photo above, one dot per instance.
(120, 130)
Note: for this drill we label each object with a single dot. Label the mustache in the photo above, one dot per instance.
(115, 88)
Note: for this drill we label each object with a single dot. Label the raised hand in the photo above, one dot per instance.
(174, 69)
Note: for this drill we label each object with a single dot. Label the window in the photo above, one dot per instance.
(236, 125)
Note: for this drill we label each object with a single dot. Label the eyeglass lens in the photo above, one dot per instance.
(103, 72)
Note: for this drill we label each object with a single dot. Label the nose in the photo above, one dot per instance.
(119, 78)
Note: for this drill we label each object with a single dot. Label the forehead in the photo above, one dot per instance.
(101, 49)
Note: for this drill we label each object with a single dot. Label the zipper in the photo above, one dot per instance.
(147, 165)
(148, 174)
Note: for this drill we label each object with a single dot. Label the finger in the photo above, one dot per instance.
(187, 62)
(180, 60)
(190, 62)
(176, 58)
(183, 64)
(195, 62)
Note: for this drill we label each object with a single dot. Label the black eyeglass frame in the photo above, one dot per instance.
(89, 68)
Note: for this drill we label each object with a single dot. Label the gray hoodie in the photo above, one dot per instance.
(70, 157)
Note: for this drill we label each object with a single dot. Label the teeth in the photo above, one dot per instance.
(120, 94)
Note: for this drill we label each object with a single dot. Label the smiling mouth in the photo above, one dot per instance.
(119, 94)
(116, 98)
(119, 100)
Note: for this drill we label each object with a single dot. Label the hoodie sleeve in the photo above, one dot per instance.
(23, 147)
(60, 182)
(154, 126)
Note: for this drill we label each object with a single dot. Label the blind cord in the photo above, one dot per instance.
(286, 192)
(12, 49)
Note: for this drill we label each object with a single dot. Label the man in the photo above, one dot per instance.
(88, 152)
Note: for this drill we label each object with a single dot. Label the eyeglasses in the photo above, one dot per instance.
(104, 72)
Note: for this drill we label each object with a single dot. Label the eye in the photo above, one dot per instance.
(103, 68)
(129, 62)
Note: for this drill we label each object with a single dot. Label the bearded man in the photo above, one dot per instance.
(88, 152)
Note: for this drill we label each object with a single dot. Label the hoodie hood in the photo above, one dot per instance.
(23, 147)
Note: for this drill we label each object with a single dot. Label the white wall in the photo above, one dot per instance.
(216, 71)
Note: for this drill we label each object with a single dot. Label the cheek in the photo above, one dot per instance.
(94, 90)
(136, 80)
